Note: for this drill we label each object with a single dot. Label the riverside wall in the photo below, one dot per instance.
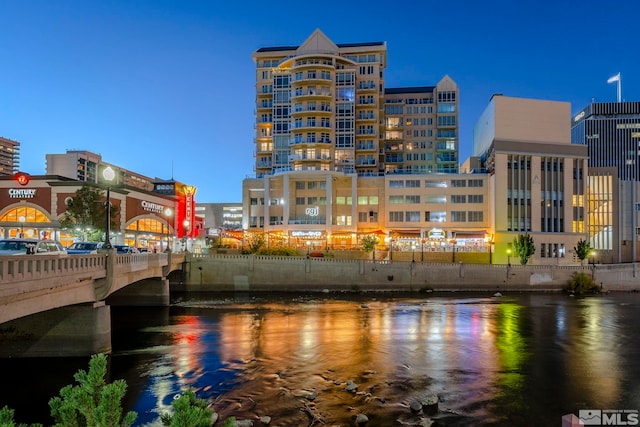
(212, 273)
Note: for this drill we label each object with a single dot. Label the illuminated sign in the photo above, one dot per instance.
(579, 116)
(436, 233)
(312, 211)
(152, 207)
(22, 193)
(21, 177)
(306, 233)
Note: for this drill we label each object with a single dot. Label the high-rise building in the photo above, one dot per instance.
(611, 132)
(9, 156)
(421, 129)
(339, 155)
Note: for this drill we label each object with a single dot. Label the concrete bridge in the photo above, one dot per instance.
(59, 306)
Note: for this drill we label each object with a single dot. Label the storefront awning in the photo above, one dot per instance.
(470, 234)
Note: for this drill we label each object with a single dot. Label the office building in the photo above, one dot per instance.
(9, 156)
(537, 177)
(611, 132)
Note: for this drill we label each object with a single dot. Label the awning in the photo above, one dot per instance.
(470, 234)
(412, 234)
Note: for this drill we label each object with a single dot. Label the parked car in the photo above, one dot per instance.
(31, 247)
(125, 249)
(84, 248)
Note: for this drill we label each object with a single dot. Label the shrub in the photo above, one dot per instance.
(188, 411)
(92, 402)
(582, 283)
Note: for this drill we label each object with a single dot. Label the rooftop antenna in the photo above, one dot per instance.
(616, 79)
(171, 169)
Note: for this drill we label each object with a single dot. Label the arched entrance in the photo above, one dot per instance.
(149, 233)
(28, 221)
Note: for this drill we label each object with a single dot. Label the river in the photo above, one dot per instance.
(514, 360)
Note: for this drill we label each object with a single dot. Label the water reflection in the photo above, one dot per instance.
(490, 360)
(515, 360)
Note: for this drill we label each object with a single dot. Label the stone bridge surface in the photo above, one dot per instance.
(34, 284)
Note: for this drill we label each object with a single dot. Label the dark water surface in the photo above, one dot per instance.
(514, 360)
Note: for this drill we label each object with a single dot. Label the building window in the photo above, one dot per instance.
(431, 216)
(475, 216)
(458, 198)
(458, 216)
(396, 200)
(396, 216)
(412, 216)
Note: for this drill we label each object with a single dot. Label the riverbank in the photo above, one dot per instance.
(211, 273)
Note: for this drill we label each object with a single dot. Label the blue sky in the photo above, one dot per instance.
(166, 88)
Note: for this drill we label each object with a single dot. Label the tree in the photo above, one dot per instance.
(86, 210)
(189, 411)
(6, 419)
(92, 403)
(524, 247)
(369, 243)
(582, 250)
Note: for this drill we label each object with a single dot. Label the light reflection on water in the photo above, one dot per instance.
(522, 359)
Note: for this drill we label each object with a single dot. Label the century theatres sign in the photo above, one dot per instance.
(22, 193)
(152, 207)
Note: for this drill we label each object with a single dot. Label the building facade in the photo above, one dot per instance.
(333, 145)
(537, 177)
(9, 156)
(611, 132)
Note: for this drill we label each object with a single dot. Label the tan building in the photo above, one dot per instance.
(332, 143)
(537, 177)
(82, 165)
(9, 156)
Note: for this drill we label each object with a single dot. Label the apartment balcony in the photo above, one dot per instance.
(394, 158)
(366, 163)
(311, 141)
(366, 118)
(308, 220)
(367, 147)
(304, 157)
(312, 94)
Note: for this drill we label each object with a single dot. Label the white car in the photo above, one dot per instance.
(31, 247)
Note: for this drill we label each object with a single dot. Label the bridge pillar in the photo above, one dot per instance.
(152, 292)
(73, 331)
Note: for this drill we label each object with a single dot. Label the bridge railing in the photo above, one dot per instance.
(23, 268)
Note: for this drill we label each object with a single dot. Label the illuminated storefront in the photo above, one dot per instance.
(33, 206)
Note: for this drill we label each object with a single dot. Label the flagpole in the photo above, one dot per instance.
(617, 79)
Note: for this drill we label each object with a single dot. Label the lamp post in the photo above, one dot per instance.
(108, 174)
(509, 257)
(413, 253)
(186, 235)
(389, 242)
(308, 248)
(453, 256)
(422, 250)
(167, 212)
(593, 263)
(22, 220)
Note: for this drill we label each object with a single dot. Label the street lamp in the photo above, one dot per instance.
(308, 248)
(389, 241)
(186, 235)
(22, 220)
(167, 212)
(453, 256)
(593, 264)
(509, 257)
(422, 250)
(413, 254)
(108, 174)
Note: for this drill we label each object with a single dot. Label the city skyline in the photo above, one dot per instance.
(173, 84)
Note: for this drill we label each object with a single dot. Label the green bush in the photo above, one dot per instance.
(188, 411)
(582, 283)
